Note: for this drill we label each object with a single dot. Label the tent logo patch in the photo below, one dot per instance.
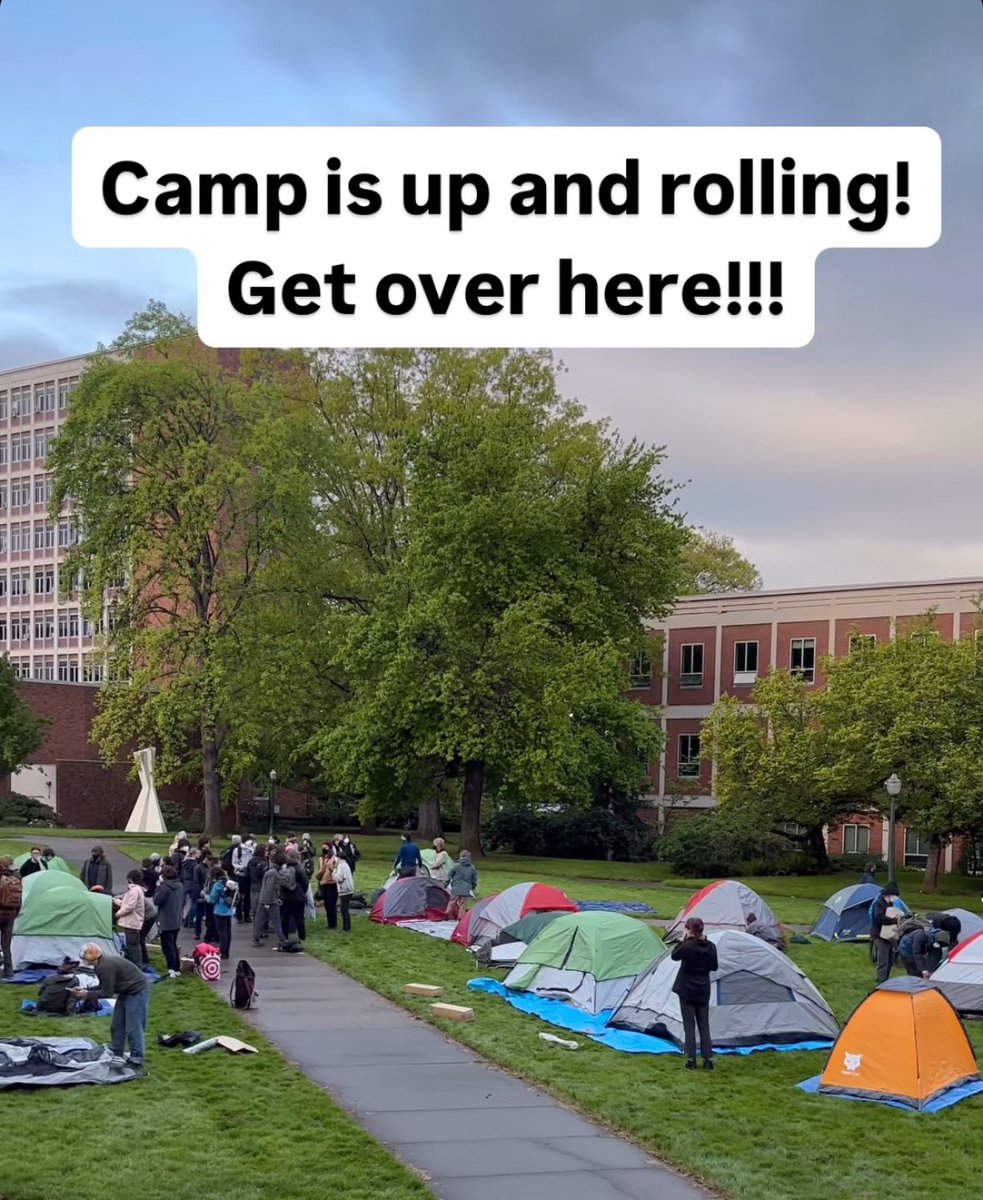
(851, 1063)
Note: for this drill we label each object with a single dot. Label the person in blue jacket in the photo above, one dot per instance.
(408, 858)
(224, 908)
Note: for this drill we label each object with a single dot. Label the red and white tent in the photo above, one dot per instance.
(462, 930)
(727, 904)
(512, 905)
(960, 977)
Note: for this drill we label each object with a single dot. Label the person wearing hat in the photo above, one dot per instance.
(122, 980)
(97, 874)
(884, 922)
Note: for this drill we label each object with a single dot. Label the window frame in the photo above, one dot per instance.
(685, 765)
(806, 674)
(691, 679)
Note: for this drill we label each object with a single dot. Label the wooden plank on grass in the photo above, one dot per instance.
(422, 989)
(452, 1012)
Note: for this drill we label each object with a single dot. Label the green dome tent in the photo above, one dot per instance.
(58, 915)
(589, 959)
(54, 864)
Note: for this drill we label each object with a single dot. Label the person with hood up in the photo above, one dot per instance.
(266, 905)
(921, 950)
(884, 930)
(130, 916)
(462, 879)
(169, 899)
(697, 958)
(97, 874)
(242, 855)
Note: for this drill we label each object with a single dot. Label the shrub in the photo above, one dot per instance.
(593, 833)
(16, 809)
(855, 863)
(721, 844)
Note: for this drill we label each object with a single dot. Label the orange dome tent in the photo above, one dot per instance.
(905, 1046)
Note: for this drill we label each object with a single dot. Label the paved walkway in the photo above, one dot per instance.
(470, 1130)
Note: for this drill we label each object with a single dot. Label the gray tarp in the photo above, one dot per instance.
(59, 1062)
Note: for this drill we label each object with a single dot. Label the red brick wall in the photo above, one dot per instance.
(880, 627)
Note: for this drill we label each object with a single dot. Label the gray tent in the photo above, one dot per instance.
(59, 1062)
(969, 923)
(727, 904)
(758, 997)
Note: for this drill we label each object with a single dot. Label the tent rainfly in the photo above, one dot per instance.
(515, 902)
(54, 864)
(58, 914)
(727, 904)
(960, 977)
(415, 898)
(846, 914)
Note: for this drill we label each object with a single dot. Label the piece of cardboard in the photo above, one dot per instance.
(452, 1012)
(422, 989)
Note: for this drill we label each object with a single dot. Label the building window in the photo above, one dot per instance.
(20, 401)
(3, 541)
(856, 839)
(3, 405)
(44, 397)
(3, 583)
(916, 849)
(20, 448)
(4, 451)
(22, 668)
(65, 388)
(802, 659)
(641, 667)
(92, 672)
(44, 668)
(44, 625)
(20, 628)
(688, 763)
(68, 623)
(44, 536)
(3, 629)
(44, 581)
(68, 669)
(691, 666)
(745, 663)
(861, 641)
(42, 489)
(20, 581)
(20, 492)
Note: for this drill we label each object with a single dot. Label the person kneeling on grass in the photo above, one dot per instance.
(462, 879)
(120, 978)
(697, 958)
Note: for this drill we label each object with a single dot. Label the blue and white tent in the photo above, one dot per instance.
(846, 915)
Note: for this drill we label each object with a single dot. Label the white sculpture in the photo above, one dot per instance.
(146, 816)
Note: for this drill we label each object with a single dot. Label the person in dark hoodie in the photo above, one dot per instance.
(188, 874)
(697, 958)
(97, 874)
(883, 949)
(169, 899)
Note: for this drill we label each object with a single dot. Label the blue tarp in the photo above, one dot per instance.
(615, 906)
(39, 974)
(30, 1007)
(946, 1100)
(565, 1016)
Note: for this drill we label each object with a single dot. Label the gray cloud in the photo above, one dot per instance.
(86, 301)
(28, 346)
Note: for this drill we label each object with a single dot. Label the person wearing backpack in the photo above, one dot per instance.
(921, 949)
(222, 897)
(11, 894)
(293, 894)
(266, 900)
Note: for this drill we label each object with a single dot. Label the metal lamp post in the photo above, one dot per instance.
(893, 787)
(272, 801)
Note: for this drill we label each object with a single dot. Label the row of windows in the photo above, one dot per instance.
(802, 661)
(43, 398)
(41, 535)
(26, 447)
(45, 625)
(64, 669)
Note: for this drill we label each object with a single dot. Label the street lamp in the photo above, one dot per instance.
(272, 798)
(893, 787)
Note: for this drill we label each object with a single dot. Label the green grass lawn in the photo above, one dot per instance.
(745, 1130)
(215, 1124)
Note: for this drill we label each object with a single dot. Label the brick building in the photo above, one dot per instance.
(719, 645)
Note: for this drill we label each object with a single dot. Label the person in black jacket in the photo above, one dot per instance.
(33, 864)
(883, 949)
(697, 958)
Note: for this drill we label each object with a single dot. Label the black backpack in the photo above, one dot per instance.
(243, 990)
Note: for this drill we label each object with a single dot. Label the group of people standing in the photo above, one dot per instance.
(460, 878)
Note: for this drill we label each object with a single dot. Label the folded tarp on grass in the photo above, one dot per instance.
(946, 1100)
(30, 1007)
(437, 929)
(59, 1062)
(564, 1016)
(615, 906)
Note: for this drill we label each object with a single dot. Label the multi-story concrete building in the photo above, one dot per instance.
(720, 645)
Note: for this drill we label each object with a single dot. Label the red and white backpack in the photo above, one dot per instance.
(208, 961)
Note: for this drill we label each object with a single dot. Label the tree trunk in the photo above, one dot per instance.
(474, 786)
(931, 881)
(210, 787)
(817, 844)
(428, 819)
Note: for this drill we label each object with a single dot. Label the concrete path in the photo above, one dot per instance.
(470, 1130)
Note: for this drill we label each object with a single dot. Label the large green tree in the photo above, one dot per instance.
(184, 469)
(21, 732)
(911, 706)
(491, 650)
(772, 757)
(711, 563)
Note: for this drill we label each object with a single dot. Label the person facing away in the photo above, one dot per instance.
(921, 951)
(697, 958)
(266, 909)
(130, 916)
(345, 883)
(870, 874)
(11, 895)
(33, 864)
(408, 858)
(882, 921)
(462, 879)
(97, 874)
(329, 888)
(122, 980)
(169, 899)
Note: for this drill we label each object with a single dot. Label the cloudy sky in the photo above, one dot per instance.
(856, 459)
